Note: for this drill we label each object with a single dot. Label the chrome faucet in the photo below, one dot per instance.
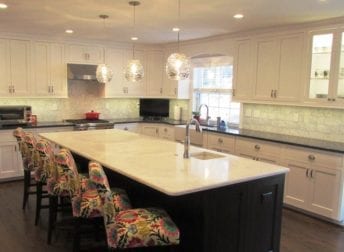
(187, 136)
(207, 116)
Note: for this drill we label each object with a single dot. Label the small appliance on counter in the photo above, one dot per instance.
(92, 115)
(15, 115)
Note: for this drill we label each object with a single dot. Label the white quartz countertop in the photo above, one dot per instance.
(159, 163)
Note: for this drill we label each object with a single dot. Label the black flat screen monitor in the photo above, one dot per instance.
(154, 107)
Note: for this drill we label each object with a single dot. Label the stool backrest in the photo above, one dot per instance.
(67, 174)
(31, 156)
(19, 134)
(46, 171)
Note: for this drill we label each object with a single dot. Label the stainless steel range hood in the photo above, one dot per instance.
(81, 72)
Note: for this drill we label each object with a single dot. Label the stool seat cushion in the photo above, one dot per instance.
(142, 227)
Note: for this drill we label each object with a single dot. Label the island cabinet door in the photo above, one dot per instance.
(265, 214)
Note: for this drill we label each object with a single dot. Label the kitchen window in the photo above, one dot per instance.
(213, 86)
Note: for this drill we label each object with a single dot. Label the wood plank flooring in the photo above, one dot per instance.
(300, 233)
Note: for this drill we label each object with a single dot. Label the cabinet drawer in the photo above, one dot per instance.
(257, 147)
(325, 159)
(221, 142)
(166, 132)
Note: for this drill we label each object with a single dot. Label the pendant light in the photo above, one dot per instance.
(178, 65)
(134, 71)
(104, 73)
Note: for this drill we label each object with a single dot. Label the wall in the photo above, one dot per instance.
(320, 123)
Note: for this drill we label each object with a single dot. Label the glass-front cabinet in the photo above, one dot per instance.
(326, 77)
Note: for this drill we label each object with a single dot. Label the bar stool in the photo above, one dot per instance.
(28, 166)
(86, 202)
(132, 228)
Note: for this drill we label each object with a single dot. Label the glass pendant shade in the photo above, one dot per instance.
(134, 71)
(104, 73)
(178, 66)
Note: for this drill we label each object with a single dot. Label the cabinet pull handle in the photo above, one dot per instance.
(307, 171)
(333, 99)
(52, 89)
(125, 128)
(160, 90)
(265, 196)
(175, 91)
(275, 93)
(311, 157)
(311, 173)
(15, 148)
(9, 89)
(257, 147)
(272, 93)
(233, 92)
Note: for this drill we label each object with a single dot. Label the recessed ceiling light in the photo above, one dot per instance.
(69, 31)
(238, 16)
(134, 38)
(3, 6)
(175, 29)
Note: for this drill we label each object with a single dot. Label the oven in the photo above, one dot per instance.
(84, 124)
(15, 115)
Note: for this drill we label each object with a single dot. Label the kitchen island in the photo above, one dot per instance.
(220, 202)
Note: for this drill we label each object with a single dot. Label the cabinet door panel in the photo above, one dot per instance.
(4, 68)
(154, 73)
(42, 77)
(297, 184)
(20, 66)
(325, 189)
(266, 69)
(289, 85)
(115, 59)
(243, 71)
(9, 165)
(58, 70)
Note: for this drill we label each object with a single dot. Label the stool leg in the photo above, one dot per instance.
(27, 175)
(39, 186)
(52, 216)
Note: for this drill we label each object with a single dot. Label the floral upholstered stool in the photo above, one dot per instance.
(132, 228)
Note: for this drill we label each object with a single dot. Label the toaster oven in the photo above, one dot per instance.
(14, 115)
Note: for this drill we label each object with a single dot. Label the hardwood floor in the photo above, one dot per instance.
(300, 233)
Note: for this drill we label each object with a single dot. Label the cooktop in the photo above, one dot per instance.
(78, 121)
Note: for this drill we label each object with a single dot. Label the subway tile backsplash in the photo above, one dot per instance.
(320, 123)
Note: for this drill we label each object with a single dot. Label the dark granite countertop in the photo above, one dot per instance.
(284, 139)
(37, 125)
(140, 120)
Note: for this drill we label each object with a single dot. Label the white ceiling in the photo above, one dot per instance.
(155, 18)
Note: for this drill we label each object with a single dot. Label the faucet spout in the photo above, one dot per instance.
(187, 136)
(207, 115)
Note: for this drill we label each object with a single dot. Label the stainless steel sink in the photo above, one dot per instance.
(204, 155)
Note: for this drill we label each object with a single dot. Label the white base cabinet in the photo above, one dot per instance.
(315, 181)
(10, 159)
(219, 142)
(132, 127)
(258, 150)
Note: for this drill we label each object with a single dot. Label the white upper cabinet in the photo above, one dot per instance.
(154, 76)
(278, 68)
(15, 65)
(84, 54)
(242, 78)
(115, 59)
(326, 68)
(49, 70)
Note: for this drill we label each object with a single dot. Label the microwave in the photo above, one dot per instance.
(15, 115)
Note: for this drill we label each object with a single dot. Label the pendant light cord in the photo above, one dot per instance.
(134, 29)
(178, 23)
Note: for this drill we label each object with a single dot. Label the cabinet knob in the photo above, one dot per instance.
(220, 140)
(125, 128)
(233, 92)
(257, 147)
(165, 130)
(275, 93)
(311, 157)
(160, 90)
